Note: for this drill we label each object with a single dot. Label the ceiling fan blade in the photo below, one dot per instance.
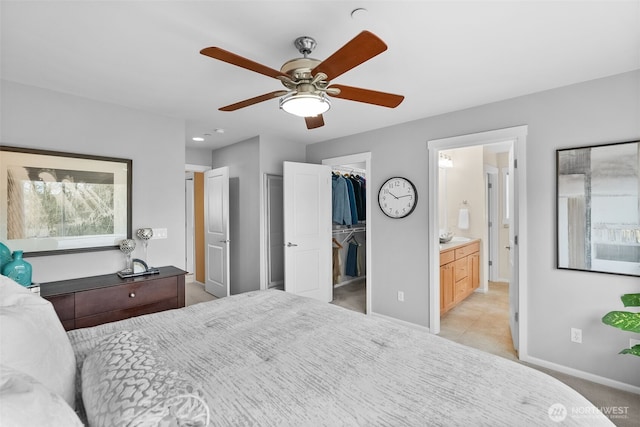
(232, 58)
(367, 96)
(251, 101)
(361, 48)
(314, 122)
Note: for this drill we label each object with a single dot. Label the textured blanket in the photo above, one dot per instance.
(269, 358)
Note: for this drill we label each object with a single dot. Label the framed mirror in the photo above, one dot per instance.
(598, 208)
(53, 202)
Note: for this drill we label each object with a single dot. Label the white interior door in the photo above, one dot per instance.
(216, 214)
(511, 182)
(307, 230)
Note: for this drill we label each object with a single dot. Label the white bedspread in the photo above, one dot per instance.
(269, 358)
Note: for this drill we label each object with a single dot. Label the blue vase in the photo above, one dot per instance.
(5, 255)
(19, 270)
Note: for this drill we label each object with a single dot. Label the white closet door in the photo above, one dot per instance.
(307, 230)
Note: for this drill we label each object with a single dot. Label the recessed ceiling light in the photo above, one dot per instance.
(359, 13)
(198, 138)
(218, 130)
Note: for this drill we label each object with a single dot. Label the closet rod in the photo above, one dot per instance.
(349, 170)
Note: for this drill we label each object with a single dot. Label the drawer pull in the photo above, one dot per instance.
(132, 295)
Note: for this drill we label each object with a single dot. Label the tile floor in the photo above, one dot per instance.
(482, 321)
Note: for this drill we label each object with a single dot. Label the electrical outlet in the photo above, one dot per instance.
(159, 233)
(400, 296)
(576, 335)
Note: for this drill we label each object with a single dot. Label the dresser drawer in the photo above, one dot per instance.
(122, 297)
(112, 316)
(64, 305)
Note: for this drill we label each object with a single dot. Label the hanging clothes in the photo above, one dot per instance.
(362, 215)
(352, 201)
(355, 262)
(357, 192)
(337, 263)
(352, 260)
(341, 205)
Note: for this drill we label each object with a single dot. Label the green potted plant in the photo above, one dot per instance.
(626, 320)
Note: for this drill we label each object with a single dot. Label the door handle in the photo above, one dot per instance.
(225, 241)
(289, 244)
(508, 247)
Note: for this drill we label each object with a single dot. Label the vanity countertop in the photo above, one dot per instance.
(457, 243)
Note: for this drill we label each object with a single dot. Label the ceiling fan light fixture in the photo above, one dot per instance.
(305, 104)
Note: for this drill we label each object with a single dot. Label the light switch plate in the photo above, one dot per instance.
(159, 233)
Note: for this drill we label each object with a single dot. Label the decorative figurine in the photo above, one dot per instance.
(127, 246)
(145, 234)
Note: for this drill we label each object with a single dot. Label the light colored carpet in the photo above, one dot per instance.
(194, 292)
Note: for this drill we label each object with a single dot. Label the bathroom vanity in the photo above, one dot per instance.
(459, 271)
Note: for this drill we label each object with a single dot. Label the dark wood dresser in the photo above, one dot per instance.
(91, 301)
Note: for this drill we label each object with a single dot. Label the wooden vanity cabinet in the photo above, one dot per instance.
(459, 273)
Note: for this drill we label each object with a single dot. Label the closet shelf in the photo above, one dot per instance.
(349, 230)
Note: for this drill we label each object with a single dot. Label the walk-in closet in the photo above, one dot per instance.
(349, 217)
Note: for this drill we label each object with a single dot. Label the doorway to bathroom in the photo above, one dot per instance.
(466, 215)
(474, 310)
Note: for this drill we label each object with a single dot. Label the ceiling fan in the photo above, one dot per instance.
(307, 80)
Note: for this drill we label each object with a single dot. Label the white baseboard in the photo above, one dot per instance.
(401, 322)
(581, 374)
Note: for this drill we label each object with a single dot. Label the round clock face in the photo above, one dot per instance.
(397, 197)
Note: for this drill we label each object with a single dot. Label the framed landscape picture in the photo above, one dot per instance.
(53, 202)
(598, 208)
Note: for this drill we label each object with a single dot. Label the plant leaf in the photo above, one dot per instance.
(631, 300)
(635, 350)
(624, 320)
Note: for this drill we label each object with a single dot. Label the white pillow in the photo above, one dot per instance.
(26, 402)
(33, 341)
(11, 293)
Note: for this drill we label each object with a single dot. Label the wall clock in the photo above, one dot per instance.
(397, 197)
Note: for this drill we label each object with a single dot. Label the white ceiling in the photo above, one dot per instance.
(443, 55)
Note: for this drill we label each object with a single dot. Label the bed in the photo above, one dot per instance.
(270, 358)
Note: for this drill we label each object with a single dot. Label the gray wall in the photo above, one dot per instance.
(248, 161)
(274, 151)
(37, 118)
(599, 111)
(243, 159)
(198, 156)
